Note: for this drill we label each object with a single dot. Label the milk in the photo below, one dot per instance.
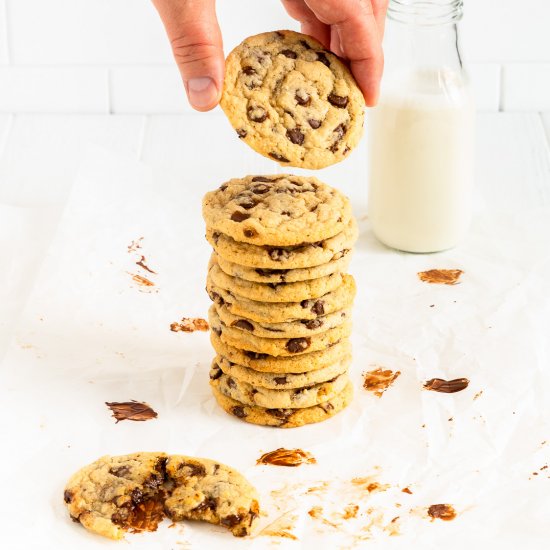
(421, 163)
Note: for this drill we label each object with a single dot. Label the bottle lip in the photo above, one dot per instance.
(426, 12)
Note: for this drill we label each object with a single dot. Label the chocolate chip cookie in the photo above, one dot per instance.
(275, 292)
(134, 492)
(292, 100)
(276, 346)
(264, 312)
(284, 257)
(278, 381)
(297, 398)
(281, 210)
(340, 265)
(262, 362)
(290, 329)
(285, 418)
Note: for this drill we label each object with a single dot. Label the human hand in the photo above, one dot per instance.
(352, 29)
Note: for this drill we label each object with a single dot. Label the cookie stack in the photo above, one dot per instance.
(281, 314)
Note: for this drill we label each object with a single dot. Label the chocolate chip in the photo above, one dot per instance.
(340, 254)
(260, 189)
(231, 520)
(215, 372)
(216, 468)
(154, 481)
(120, 471)
(323, 59)
(216, 298)
(264, 179)
(346, 150)
(239, 216)
(217, 331)
(249, 70)
(280, 380)
(314, 123)
(296, 345)
(243, 324)
(327, 407)
(339, 132)
(223, 187)
(194, 470)
(242, 133)
(273, 285)
(314, 208)
(250, 233)
(67, 496)
(318, 307)
(279, 254)
(286, 213)
(273, 329)
(302, 98)
(256, 114)
(278, 157)
(280, 413)
(337, 100)
(216, 236)
(305, 45)
(231, 383)
(313, 323)
(209, 503)
(290, 54)
(248, 203)
(295, 136)
(238, 412)
(136, 495)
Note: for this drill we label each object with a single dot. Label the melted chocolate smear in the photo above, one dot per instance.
(287, 457)
(442, 511)
(131, 410)
(446, 386)
(441, 276)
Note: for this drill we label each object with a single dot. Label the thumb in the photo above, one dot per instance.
(196, 41)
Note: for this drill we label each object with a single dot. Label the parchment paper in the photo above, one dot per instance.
(91, 334)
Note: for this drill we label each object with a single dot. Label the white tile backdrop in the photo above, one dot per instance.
(101, 56)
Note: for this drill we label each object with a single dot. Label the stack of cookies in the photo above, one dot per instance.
(281, 314)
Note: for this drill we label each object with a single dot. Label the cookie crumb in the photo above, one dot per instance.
(190, 324)
(287, 457)
(442, 511)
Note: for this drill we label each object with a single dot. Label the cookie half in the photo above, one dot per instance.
(281, 210)
(285, 418)
(292, 100)
(134, 492)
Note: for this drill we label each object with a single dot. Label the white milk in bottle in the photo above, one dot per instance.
(421, 137)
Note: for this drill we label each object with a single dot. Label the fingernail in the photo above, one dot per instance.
(202, 92)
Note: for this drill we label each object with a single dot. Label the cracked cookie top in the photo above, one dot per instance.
(292, 100)
(281, 210)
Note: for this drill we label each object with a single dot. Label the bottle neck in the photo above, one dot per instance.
(426, 13)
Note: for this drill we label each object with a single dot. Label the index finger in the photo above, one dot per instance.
(360, 40)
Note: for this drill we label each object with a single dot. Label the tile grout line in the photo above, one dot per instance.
(8, 41)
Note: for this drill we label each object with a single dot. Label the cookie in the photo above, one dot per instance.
(285, 418)
(277, 346)
(275, 292)
(290, 329)
(292, 100)
(258, 275)
(134, 492)
(263, 312)
(298, 398)
(278, 381)
(279, 257)
(262, 362)
(280, 210)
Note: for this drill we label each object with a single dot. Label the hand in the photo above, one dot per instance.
(352, 29)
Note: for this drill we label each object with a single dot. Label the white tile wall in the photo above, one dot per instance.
(59, 52)
(526, 87)
(4, 54)
(54, 89)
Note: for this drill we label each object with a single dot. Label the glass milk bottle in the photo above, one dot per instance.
(421, 134)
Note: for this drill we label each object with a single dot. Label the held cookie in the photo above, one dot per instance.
(280, 210)
(278, 381)
(299, 398)
(115, 494)
(264, 312)
(292, 100)
(276, 346)
(290, 329)
(285, 418)
(284, 257)
(275, 292)
(262, 362)
(257, 275)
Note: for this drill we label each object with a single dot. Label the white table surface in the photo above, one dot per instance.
(40, 156)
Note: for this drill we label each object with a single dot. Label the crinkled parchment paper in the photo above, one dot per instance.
(93, 332)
